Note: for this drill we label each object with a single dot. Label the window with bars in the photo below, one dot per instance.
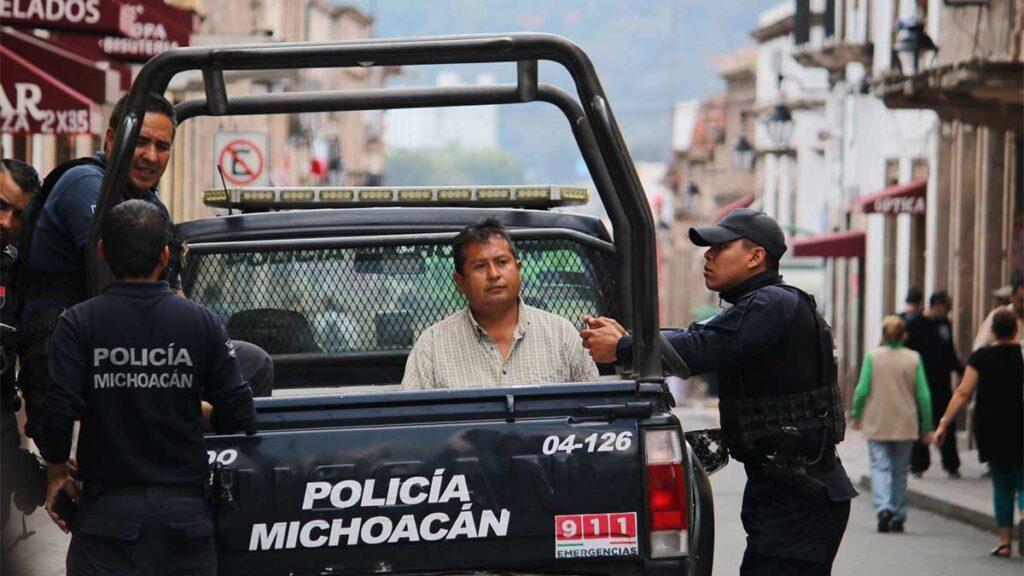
(355, 300)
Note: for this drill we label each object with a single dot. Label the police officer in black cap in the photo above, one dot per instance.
(781, 410)
(145, 372)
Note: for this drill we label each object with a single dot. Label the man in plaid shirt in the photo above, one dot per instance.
(497, 340)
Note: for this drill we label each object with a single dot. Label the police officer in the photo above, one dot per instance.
(781, 410)
(145, 372)
(57, 228)
(18, 182)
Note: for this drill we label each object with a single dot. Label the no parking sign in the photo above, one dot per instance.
(243, 158)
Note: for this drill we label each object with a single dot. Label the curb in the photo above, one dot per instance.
(951, 510)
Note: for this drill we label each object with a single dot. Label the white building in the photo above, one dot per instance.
(792, 168)
(466, 127)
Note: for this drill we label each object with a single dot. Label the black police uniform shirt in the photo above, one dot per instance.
(62, 231)
(132, 364)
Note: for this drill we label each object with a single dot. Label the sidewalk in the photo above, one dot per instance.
(967, 499)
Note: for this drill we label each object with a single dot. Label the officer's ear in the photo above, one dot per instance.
(165, 257)
(108, 142)
(460, 282)
(757, 257)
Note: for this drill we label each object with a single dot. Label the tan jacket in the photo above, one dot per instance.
(892, 404)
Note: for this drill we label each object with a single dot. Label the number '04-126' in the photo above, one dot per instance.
(596, 442)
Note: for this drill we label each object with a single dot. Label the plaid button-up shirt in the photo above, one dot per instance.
(458, 353)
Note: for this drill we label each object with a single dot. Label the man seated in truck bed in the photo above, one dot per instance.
(497, 340)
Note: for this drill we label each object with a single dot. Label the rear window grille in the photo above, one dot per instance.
(379, 298)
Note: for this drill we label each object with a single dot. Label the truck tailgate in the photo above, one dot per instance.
(543, 493)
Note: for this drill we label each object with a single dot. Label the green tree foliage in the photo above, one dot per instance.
(452, 166)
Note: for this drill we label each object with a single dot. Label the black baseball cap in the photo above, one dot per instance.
(756, 226)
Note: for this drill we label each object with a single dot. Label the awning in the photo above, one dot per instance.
(80, 74)
(34, 102)
(836, 245)
(900, 199)
(741, 203)
(155, 28)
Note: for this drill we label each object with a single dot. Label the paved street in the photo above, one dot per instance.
(932, 545)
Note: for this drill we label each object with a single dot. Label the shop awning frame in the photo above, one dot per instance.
(50, 106)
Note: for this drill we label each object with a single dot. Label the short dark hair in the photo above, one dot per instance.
(940, 297)
(134, 235)
(154, 103)
(770, 262)
(480, 232)
(23, 174)
(914, 296)
(1004, 323)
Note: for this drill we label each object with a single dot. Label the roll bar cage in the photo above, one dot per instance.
(590, 118)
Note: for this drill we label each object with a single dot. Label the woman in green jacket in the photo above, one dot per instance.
(893, 407)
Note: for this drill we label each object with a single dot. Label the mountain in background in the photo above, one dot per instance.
(648, 54)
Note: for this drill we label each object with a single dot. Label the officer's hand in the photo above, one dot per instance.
(207, 416)
(855, 423)
(59, 478)
(601, 338)
(602, 321)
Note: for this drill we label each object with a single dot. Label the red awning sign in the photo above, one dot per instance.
(105, 16)
(901, 199)
(849, 244)
(153, 27)
(34, 102)
(80, 74)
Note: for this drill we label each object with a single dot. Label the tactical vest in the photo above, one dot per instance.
(63, 288)
(751, 427)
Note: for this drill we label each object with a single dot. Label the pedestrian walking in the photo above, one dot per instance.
(145, 372)
(913, 303)
(930, 334)
(996, 372)
(1016, 306)
(892, 405)
(772, 351)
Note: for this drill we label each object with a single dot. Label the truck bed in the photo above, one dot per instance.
(539, 478)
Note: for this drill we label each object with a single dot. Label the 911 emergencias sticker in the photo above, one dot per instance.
(596, 535)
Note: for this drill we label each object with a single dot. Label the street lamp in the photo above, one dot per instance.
(743, 155)
(779, 123)
(911, 45)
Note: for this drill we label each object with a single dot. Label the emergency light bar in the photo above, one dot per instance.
(354, 197)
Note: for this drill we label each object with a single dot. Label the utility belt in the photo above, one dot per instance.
(148, 490)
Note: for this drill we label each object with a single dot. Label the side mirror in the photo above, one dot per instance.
(707, 446)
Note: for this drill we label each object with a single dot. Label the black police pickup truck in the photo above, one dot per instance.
(348, 475)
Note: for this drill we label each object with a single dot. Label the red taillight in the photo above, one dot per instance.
(667, 497)
(666, 494)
